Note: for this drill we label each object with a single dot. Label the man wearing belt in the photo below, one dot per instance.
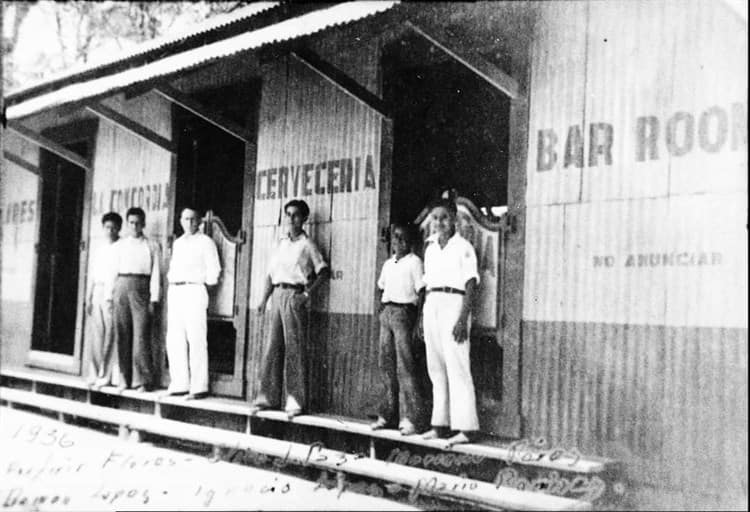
(99, 305)
(296, 269)
(135, 297)
(401, 283)
(451, 277)
(194, 267)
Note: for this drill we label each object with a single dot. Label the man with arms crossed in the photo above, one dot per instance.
(194, 267)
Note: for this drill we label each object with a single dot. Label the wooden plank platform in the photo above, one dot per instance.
(509, 452)
(418, 480)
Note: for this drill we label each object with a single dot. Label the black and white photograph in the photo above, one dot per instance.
(374, 255)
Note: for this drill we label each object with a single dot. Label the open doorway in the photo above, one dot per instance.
(451, 131)
(211, 177)
(57, 327)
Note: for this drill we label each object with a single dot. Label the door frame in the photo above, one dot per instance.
(511, 251)
(233, 384)
(68, 133)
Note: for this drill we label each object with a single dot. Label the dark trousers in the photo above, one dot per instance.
(283, 359)
(133, 330)
(402, 398)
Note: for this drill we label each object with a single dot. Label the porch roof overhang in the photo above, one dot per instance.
(284, 31)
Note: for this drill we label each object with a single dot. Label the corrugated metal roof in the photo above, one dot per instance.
(283, 31)
(209, 25)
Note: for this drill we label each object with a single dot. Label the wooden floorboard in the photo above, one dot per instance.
(566, 461)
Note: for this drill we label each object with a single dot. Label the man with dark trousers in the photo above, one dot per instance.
(296, 269)
(135, 298)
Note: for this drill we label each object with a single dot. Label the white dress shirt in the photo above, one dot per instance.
(401, 279)
(452, 266)
(140, 256)
(194, 260)
(294, 260)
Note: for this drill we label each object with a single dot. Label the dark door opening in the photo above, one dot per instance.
(450, 131)
(210, 177)
(59, 249)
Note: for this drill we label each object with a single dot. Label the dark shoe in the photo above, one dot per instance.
(175, 393)
(196, 396)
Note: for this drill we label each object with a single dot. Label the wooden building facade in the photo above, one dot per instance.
(601, 151)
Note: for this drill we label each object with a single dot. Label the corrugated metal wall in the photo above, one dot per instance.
(317, 143)
(20, 217)
(635, 300)
(130, 171)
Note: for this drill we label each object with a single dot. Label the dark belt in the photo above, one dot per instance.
(134, 275)
(181, 283)
(406, 305)
(446, 289)
(289, 286)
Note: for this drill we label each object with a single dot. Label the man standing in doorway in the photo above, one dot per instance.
(194, 267)
(135, 299)
(99, 305)
(296, 269)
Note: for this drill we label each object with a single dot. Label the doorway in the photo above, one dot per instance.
(211, 177)
(57, 328)
(451, 131)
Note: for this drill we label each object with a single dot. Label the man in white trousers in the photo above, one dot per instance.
(451, 276)
(193, 268)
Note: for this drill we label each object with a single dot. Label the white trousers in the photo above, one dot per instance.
(453, 399)
(187, 348)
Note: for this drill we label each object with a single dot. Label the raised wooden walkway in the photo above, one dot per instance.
(31, 387)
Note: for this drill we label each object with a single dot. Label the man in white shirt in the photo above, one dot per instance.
(135, 298)
(194, 267)
(402, 286)
(296, 270)
(451, 277)
(99, 305)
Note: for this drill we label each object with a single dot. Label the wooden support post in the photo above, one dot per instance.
(472, 60)
(373, 453)
(205, 113)
(123, 432)
(248, 425)
(50, 145)
(131, 126)
(20, 162)
(340, 79)
(157, 409)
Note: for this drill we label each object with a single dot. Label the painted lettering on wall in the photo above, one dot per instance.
(329, 177)
(152, 197)
(659, 259)
(713, 130)
(19, 212)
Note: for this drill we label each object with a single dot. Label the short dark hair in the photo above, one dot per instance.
(112, 217)
(134, 210)
(197, 211)
(408, 229)
(446, 203)
(301, 205)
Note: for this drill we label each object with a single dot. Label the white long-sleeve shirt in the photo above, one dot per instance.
(140, 256)
(194, 260)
